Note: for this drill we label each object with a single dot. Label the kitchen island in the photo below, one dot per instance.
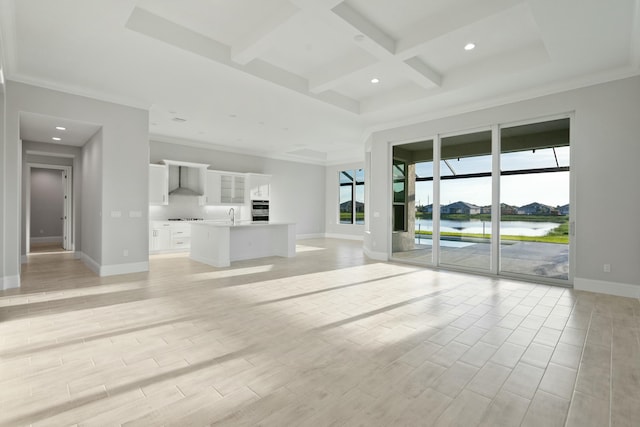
(219, 243)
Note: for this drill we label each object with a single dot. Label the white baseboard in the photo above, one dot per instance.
(48, 239)
(359, 237)
(90, 262)
(9, 282)
(378, 256)
(115, 269)
(611, 288)
(309, 236)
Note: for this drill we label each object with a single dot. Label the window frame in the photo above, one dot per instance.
(353, 176)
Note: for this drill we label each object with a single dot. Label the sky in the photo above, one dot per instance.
(516, 190)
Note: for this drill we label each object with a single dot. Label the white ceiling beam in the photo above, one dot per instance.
(447, 22)
(338, 71)
(317, 5)
(376, 41)
(421, 73)
(254, 43)
(180, 37)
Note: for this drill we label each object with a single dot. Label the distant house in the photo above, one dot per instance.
(460, 208)
(563, 210)
(346, 206)
(536, 208)
(504, 209)
(508, 209)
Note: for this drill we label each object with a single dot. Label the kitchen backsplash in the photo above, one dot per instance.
(181, 206)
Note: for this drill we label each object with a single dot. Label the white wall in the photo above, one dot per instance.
(332, 202)
(6, 280)
(604, 164)
(91, 202)
(124, 183)
(297, 189)
(47, 204)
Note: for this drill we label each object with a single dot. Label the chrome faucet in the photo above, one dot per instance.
(232, 212)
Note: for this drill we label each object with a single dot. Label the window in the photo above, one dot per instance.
(352, 196)
(399, 195)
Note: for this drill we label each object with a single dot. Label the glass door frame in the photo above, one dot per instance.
(572, 201)
(494, 269)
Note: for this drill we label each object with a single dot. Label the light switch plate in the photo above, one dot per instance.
(116, 214)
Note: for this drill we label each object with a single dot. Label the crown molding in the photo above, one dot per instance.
(533, 93)
(79, 91)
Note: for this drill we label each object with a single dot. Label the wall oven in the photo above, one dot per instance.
(260, 210)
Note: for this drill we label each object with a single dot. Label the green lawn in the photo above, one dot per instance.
(347, 215)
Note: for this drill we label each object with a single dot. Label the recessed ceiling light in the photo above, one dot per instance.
(233, 116)
(61, 128)
(469, 46)
(55, 138)
(375, 80)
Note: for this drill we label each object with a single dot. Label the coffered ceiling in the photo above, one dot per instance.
(295, 78)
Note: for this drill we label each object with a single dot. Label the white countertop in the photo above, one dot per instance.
(218, 223)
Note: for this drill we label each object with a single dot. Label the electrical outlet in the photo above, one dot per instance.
(125, 252)
(607, 268)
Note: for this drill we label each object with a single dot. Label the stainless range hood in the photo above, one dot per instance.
(183, 190)
(186, 179)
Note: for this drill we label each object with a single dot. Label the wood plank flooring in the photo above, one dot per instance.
(326, 338)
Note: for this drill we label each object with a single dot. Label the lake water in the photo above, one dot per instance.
(517, 228)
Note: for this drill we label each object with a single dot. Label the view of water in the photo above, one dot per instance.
(517, 228)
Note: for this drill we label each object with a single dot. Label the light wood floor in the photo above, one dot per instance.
(326, 338)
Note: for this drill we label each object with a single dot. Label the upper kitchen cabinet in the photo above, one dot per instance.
(224, 188)
(212, 188)
(232, 188)
(158, 185)
(258, 186)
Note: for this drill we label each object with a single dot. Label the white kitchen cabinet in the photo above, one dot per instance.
(158, 185)
(180, 236)
(167, 236)
(160, 236)
(232, 189)
(258, 186)
(224, 188)
(212, 188)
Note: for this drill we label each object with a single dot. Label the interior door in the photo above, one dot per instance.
(66, 211)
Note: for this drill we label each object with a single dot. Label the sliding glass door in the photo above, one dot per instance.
(493, 201)
(534, 196)
(465, 201)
